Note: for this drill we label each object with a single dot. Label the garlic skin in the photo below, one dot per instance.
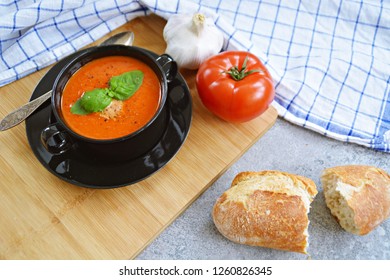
(192, 39)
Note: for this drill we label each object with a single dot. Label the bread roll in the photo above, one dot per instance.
(358, 196)
(267, 208)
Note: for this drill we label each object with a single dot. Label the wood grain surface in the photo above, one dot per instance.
(43, 217)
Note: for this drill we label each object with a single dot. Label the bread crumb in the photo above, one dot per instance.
(112, 110)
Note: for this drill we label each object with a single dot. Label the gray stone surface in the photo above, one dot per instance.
(293, 149)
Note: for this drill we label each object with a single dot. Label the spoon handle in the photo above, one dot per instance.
(23, 112)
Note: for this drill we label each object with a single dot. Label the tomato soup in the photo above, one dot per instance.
(135, 112)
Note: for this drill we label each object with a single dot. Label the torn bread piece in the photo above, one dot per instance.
(358, 196)
(267, 208)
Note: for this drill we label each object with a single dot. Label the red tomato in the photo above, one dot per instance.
(235, 86)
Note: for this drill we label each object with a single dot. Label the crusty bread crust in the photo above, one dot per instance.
(267, 208)
(307, 183)
(365, 192)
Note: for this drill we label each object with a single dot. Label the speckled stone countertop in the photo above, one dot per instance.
(293, 149)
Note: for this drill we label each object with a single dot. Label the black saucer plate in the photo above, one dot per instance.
(77, 168)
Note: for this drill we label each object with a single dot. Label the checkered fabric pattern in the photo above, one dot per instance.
(329, 59)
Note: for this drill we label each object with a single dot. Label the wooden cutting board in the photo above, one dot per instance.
(43, 217)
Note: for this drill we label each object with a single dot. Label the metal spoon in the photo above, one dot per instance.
(14, 118)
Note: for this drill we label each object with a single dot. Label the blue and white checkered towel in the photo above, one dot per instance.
(329, 59)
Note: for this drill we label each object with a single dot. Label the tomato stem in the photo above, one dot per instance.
(237, 74)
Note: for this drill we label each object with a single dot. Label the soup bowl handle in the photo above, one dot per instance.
(168, 65)
(55, 140)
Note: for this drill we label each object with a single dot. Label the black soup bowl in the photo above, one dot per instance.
(58, 138)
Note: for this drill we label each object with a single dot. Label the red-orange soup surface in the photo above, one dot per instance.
(136, 111)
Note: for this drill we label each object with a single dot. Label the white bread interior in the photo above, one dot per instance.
(336, 195)
(358, 196)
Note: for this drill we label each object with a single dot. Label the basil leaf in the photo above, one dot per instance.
(121, 87)
(78, 109)
(124, 86)
(95, 100)
(92, 101)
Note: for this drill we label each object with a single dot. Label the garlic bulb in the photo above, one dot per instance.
(191, 40)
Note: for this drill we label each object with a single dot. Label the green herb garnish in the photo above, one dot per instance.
(121, 87)
(78, 109)
(124, 86)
